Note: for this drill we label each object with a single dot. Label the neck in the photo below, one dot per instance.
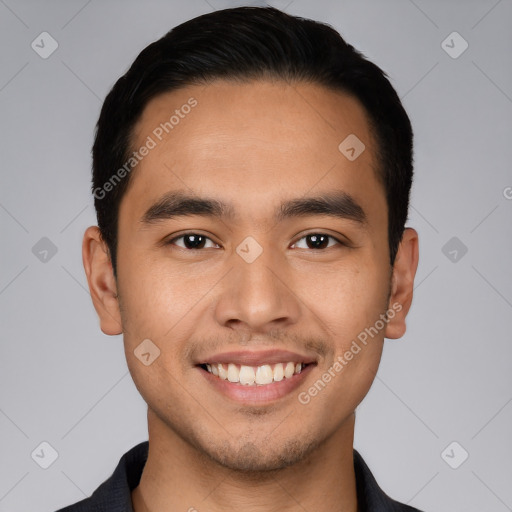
(178, 477)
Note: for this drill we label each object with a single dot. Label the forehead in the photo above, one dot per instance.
(250, 141)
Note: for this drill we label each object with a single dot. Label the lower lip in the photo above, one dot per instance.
(257, 394)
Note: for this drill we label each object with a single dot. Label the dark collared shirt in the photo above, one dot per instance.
(114, 495)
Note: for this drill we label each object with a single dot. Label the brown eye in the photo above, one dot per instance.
(192, 241)
(318, 241)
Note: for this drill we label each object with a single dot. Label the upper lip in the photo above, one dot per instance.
(258, 358)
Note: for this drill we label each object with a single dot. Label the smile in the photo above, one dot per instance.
(254, 375)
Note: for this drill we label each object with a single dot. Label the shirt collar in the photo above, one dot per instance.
(114, 494)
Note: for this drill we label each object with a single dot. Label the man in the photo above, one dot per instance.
(251, 175)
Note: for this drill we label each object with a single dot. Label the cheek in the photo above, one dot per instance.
(148, 297)
(348, 298)
(159, 300)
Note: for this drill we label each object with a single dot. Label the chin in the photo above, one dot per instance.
(250, 457)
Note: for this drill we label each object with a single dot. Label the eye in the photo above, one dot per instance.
(317, 241)
(192, 241)
(197, 241)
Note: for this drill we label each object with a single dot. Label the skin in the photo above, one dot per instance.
(255, 145)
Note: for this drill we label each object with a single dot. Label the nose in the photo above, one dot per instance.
(258, 296)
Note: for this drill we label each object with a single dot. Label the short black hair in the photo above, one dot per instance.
(251, 43)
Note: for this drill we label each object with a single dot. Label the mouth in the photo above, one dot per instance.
(256, 378)
(262, 375)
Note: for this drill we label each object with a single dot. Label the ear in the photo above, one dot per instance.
(402, 283)
(102, 283)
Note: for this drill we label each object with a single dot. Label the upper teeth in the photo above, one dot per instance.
(251, 375)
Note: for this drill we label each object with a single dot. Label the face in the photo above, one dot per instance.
(253, 253)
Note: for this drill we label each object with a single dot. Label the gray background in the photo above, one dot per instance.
(449, 379)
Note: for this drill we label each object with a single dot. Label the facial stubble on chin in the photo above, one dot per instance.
(249, 460)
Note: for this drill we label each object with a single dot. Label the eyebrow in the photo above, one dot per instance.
(176, 204)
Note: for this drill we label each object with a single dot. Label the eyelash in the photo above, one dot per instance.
(170, 242)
